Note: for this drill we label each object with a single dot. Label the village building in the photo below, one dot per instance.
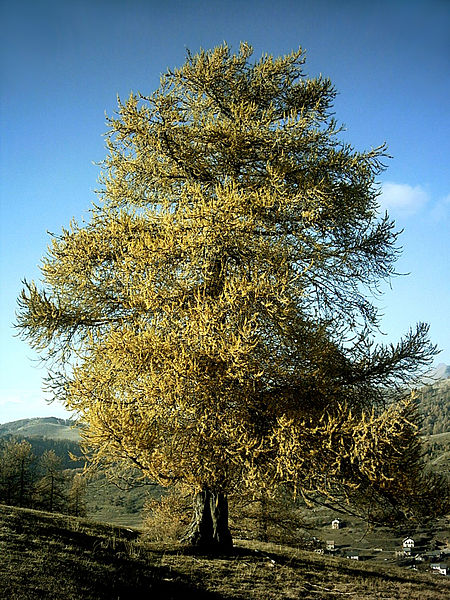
(330, 545)
(336, 524)
(408, 543)
(441, 568)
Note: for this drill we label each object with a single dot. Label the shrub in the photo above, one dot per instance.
(165, 519)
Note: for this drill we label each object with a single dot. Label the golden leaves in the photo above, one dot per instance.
(201, 313)
(351, 449)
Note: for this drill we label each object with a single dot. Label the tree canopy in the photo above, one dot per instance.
(212, 322)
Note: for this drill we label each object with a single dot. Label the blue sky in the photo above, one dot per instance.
(64, 63)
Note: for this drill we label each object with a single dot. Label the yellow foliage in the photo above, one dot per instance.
(201, 321)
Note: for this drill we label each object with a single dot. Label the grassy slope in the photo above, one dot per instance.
(63, 558)
(109, 504)
(47, 427)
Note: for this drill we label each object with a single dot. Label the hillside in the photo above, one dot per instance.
(434, 405)
(64, 558)
(46, 427)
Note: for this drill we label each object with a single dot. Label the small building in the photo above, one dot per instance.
(408, 543)
(441, 568)
(330, 545)
(336, 524)
(353, 555)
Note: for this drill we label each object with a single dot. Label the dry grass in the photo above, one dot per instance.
(63, 558)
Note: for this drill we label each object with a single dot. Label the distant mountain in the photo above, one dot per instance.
(442, 371)
(47, 433)
(46, 427)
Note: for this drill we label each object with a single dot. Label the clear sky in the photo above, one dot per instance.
(63, 63)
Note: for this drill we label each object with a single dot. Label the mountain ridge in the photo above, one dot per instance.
(441, 371)
(47, 427)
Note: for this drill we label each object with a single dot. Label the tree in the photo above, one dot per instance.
(76, 499)
(16, 476)
(50, 488)
(212, 323)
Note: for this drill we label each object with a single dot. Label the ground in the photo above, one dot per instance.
(65, 558)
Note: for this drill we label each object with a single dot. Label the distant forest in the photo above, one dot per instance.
(62, 448)
(434, 407)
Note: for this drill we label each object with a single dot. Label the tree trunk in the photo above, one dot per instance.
(209, 527)
(51, 495)
(22, 482)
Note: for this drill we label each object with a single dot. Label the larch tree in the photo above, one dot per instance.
(76, 497)
(212, 323)
(16, 476)
(50, 489)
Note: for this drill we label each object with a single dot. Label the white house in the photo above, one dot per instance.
(336, 524)
(408, 543)
(441, 568)
(330, 545)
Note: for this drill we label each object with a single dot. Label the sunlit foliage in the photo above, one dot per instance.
(212, 322)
